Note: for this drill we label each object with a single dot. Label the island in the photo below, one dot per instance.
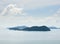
(33, 28)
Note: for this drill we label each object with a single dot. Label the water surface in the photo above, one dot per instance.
(29, 37)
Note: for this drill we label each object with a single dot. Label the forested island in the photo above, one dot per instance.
(32, 28)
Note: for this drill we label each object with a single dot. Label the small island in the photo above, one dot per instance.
(54, 27)
(33, 28)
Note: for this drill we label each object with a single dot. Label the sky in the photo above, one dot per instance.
(29, 12)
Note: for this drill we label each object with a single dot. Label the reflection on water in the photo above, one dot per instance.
(26, 37)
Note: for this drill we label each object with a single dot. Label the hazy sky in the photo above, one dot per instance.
(29, 12)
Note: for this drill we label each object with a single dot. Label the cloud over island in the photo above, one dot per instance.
(30, 12)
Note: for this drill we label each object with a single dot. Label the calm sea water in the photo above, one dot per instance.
(26, 37)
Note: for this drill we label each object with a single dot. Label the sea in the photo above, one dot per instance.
(29, 37)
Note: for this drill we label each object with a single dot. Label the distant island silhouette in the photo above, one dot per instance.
(33, 28)
(54, 27)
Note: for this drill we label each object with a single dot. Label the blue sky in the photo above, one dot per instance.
(44, 11)
(30, 12)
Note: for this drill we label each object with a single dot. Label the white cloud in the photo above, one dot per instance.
(12, 9)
